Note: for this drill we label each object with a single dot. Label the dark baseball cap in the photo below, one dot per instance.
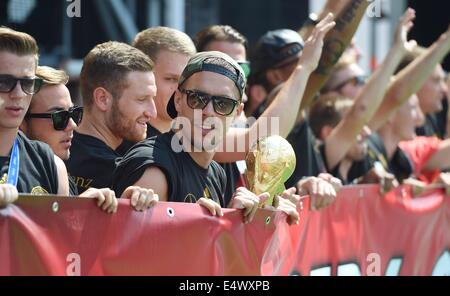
(276, 48)
(211, 61)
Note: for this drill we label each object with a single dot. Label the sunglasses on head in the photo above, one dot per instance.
(357, 80)
(61, 118)
(29, 86)
(199, 100)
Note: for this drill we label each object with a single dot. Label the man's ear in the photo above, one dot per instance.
(102, 99)
(240, 108)
(325, 132)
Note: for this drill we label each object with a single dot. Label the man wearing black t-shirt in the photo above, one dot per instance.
(210, 86)
(179, 164)
(52, 118)
(29, 166)
(118, 88)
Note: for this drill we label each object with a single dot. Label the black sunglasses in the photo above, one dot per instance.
(199, 100)
(357, 80)
(29, 86)
(61, 118)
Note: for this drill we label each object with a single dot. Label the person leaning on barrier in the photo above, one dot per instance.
(169, 49)
(211, 85)
(228, 40)
(52, 118)
(25, 166)
(118, 88)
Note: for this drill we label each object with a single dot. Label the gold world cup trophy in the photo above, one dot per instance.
(270, 163)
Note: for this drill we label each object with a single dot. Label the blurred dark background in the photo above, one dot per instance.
(64, 40)
(61, 37)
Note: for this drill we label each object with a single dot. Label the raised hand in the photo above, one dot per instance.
(312, 50)
(445, 38)
(401, 33)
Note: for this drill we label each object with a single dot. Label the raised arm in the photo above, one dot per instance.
(448, 113)
(334, 45)
(343, 137)
(410, 80)
(287, 100)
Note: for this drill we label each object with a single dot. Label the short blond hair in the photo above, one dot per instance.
(153, 40)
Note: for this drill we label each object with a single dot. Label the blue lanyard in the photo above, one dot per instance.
(13, 169)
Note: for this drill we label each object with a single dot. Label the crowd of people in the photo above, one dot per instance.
(162, 118)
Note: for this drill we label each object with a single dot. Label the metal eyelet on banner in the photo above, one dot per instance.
(55, 207)
(170, 212)
(268, 220)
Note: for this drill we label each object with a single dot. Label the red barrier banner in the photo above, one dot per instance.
(364, 233)
(361, 234)
(71, 236)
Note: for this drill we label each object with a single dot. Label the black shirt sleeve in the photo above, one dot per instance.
(132, 166)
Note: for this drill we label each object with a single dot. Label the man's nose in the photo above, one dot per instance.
(151, 112)
(209, 108)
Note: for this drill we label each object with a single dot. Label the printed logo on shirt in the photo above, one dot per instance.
(38, 190)
(82, 182)
(190, 198)
(206, 193)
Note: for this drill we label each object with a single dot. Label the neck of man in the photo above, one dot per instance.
(161, 125)
(96, 127)
(7, 136)
(202, 158)
(390, 141)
